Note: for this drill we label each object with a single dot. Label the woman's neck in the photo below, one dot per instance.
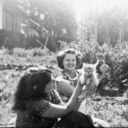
(72, 73)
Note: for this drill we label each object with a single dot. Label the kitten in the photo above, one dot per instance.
(100, 56)
(101, 61)
(92, 79)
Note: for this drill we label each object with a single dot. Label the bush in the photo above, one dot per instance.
(116, 59)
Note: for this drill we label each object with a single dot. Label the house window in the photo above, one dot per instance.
(12, 23)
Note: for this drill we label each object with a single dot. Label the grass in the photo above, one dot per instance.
(113, 110)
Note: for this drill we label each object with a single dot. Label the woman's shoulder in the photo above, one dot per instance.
(40, 106)
(41, 103)
(61, 78)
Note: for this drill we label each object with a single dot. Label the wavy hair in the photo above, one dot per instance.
(61, 55)
(31, 87)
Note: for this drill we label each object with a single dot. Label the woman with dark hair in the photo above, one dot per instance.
(38, 104)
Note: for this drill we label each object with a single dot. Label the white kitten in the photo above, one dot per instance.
(91, 81)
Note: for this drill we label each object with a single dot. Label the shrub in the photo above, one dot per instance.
(116, 58)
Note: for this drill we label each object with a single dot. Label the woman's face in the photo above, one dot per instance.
(69, 62)
(50, 86)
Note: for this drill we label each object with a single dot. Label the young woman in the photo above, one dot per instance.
(38, 104)
(69, 61)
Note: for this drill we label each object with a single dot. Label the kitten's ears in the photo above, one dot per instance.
(97, 48)
(100, 49)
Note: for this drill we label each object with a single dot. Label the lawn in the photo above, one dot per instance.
(13, 64)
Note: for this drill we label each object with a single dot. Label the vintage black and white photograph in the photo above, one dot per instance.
(63, 63)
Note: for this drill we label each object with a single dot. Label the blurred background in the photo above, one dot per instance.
(32, 32)
(23, 22)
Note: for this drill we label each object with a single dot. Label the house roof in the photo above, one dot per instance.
(12, 7)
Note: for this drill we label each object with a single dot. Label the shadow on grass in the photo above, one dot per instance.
(110, 93)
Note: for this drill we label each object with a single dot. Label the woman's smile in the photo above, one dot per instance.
(69, 62)
(70, 65)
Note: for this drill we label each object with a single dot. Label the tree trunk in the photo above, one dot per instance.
(120, 34)
(95, 25)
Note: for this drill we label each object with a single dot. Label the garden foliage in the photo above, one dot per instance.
(116, 59)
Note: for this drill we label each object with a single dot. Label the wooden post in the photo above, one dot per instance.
(95, 24)
(1, 14)
(120, 33)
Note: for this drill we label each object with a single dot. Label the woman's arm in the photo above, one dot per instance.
(103, 68)
(65, 88)
(57, 111)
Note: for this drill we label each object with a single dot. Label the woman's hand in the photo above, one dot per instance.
(104, 68)
(83, 77)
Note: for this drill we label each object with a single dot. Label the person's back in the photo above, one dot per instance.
(29, 100)
(32, 116)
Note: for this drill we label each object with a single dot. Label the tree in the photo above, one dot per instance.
(112, 25)
(56, 17)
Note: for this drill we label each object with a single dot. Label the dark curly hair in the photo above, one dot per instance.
(31, 87)
(61, 55)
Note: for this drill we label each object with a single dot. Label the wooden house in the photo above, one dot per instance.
(11, 19)
(10, 24)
